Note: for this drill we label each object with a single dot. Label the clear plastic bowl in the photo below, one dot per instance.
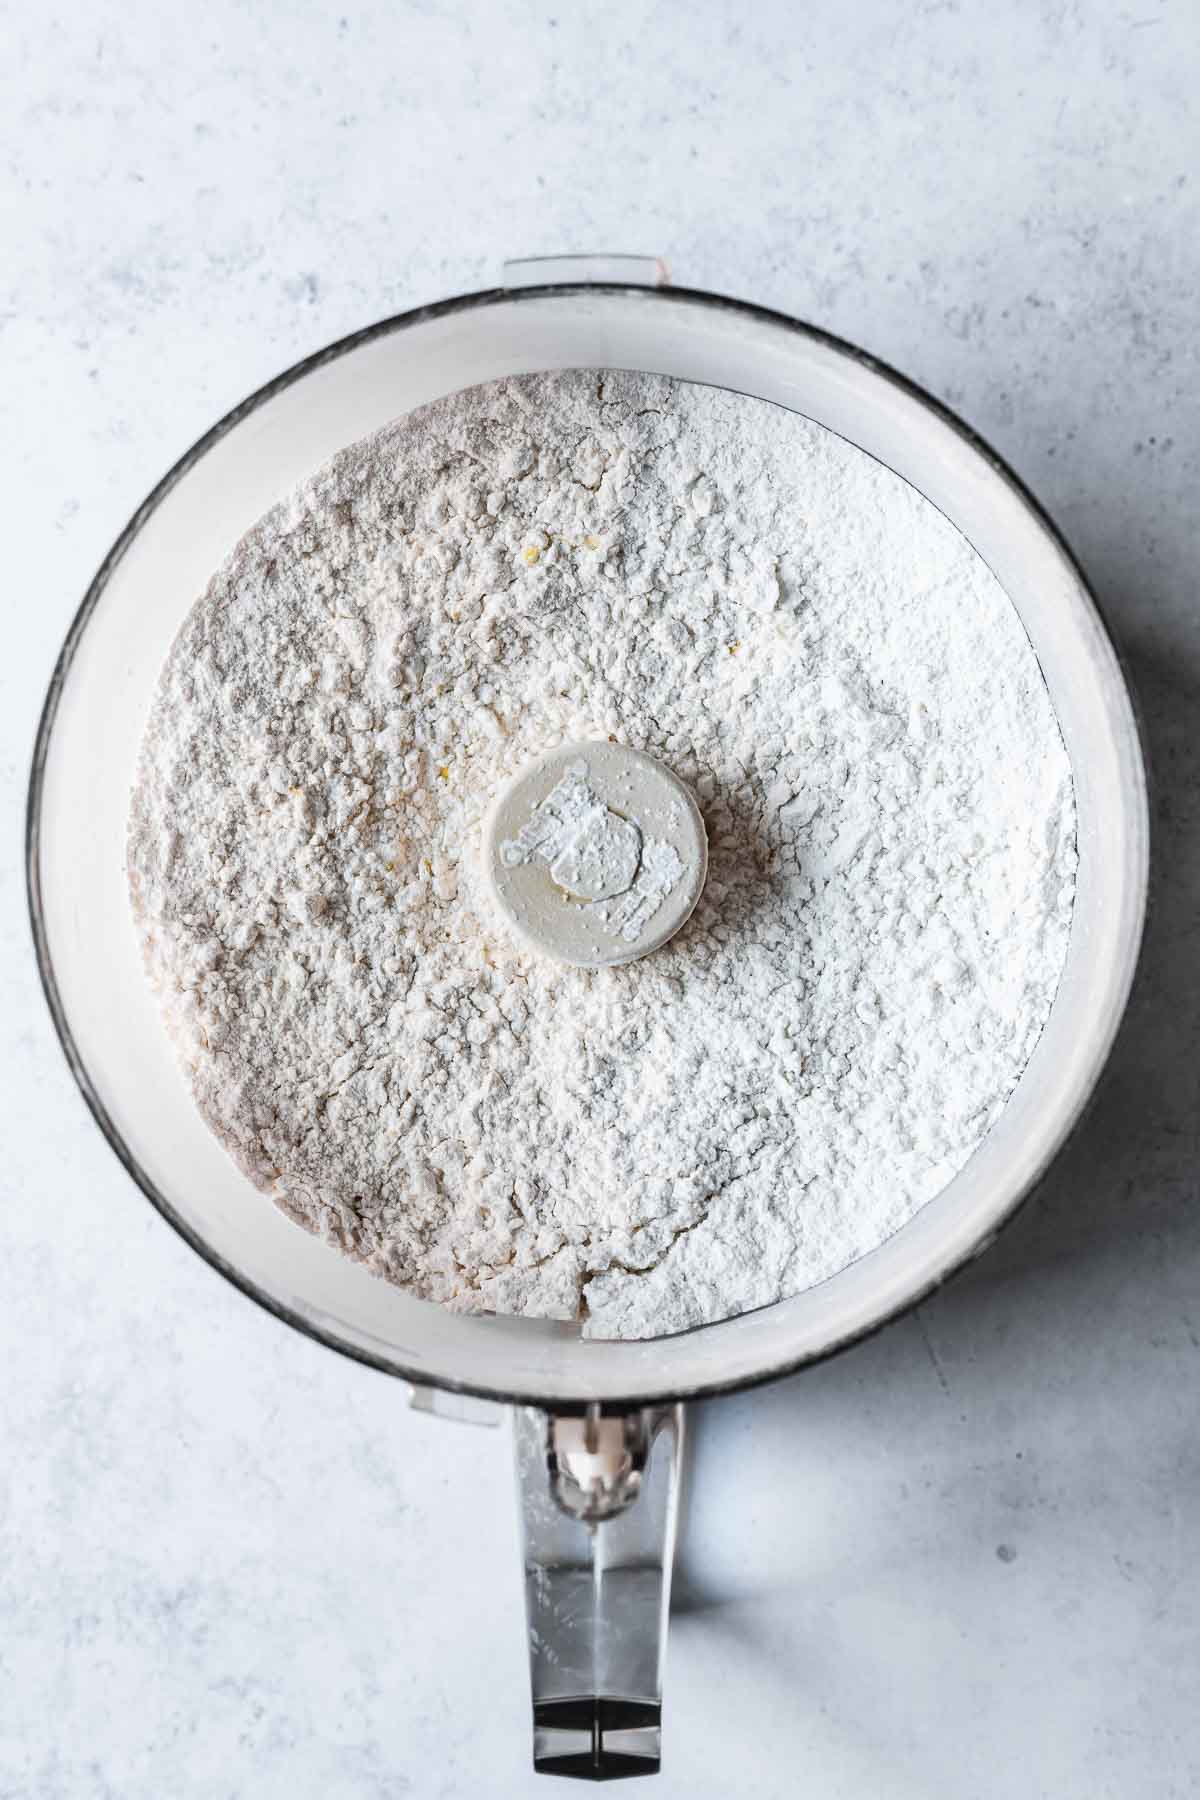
(101, 692)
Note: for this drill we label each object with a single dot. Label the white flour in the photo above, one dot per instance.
(891, 836)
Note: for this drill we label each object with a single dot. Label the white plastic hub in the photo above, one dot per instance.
(596, 854)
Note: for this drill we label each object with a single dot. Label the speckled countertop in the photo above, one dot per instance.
(959, 1561)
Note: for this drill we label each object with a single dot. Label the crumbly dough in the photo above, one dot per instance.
(890, 817)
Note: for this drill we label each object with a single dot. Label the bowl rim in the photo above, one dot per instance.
(418, 1377)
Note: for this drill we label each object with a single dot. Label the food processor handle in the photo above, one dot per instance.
(599, 1497)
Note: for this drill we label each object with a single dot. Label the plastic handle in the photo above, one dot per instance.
(554, 271)
(599, 1502)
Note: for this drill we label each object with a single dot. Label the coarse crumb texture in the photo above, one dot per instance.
(890, 818)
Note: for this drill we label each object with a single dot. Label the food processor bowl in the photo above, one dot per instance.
(598, 1408)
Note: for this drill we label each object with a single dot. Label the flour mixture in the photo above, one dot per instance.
(806, 643)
